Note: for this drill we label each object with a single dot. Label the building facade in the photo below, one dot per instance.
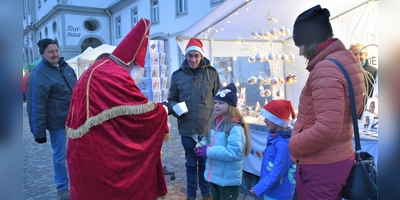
(77, 24)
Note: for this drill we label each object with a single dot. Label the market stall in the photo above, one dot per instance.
(86, 58)
(250, 43)
(242, 30)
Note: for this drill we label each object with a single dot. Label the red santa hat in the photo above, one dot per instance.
(134, 46)
(194, 44)
(278, 112)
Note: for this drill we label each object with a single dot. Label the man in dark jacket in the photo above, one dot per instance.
(196, 82)
(49, 92)
(361, 53)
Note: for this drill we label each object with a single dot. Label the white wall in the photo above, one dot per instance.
(74, 31)
(169, 26)
(44, 8)
(93, 3)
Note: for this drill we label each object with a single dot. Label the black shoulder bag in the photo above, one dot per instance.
(362, 182)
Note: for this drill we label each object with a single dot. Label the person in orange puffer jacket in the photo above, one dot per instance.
(321, 143)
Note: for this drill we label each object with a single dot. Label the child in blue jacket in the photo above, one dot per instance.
(277, 178)
(226, 143)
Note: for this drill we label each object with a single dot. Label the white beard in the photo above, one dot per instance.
(137, 73)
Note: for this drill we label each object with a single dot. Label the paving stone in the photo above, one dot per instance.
(38, 174)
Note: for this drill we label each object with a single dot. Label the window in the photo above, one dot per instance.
(39, 3)
(134, 14)
(118, 27)
(54, 27)
(91, 24)
(46, 32)
(181, 6)
(154, 11)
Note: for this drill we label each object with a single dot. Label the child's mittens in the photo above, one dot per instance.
(201, 151)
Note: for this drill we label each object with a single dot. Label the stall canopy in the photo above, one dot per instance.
(83, 60)
(232, 30)
(235, 20)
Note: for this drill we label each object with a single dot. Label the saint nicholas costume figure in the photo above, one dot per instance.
(115, 133)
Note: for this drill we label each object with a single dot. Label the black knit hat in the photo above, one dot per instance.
(43, 43)
(312, 26)
(228, 95)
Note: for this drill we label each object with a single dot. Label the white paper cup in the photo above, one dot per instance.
(180, 108)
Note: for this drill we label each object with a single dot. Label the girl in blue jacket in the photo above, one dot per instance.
(277, 178)
(225, 144)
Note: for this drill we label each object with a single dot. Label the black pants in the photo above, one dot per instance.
(223, 193)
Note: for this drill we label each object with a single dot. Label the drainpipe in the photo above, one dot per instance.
(111, 28)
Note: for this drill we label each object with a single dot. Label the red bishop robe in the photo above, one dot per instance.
(115, 137)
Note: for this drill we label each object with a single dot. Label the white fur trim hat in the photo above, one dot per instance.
(194, 44)
(278, 112)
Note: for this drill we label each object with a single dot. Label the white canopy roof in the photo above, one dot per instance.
(235, 20)
(79, 62)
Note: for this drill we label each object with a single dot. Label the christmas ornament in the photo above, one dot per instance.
(274, 80)
(260, 80)
(282, 30)
(289, 78)
(290, 57)
(266, 35)
(252, 80)
(277, 57)
(279, 93)
(258, 58)
(252, 59)
(262, 93)
(284, 57)
(254, 34)
(294, 77)
(271, 56)
(267, 93)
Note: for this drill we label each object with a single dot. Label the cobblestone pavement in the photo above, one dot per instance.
(38, 183)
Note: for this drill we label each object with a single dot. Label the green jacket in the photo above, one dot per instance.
(197, 90)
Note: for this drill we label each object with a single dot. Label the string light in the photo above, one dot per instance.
(229, 21)
(222, 29)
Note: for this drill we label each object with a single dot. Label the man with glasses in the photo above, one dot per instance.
(196, 82)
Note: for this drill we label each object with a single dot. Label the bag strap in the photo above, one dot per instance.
(352, 103)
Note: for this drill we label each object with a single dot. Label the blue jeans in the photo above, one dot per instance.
(195, 167)
(59, 144)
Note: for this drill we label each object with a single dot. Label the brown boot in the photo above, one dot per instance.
(190, 199)
(207, 197)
